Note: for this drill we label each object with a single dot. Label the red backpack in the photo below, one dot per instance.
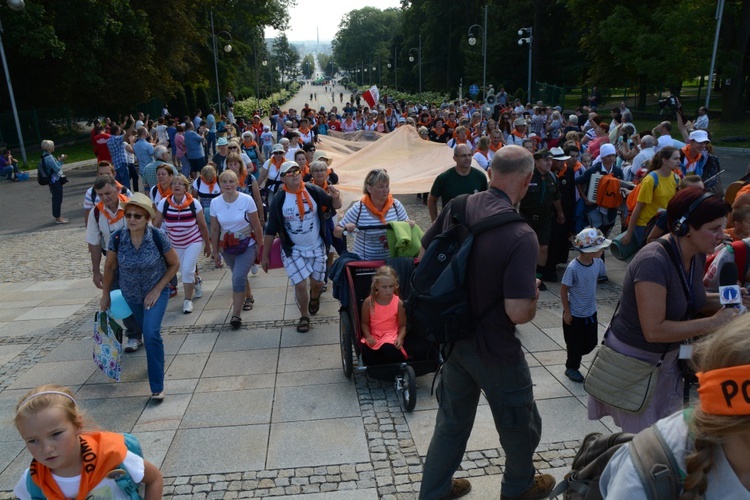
(608, 193)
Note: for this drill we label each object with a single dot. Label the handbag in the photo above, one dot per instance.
(621, 381)
(108, 345)
(233, 245)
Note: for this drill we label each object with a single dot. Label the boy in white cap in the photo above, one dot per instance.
(578, 296)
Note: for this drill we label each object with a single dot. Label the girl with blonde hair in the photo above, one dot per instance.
(383, 320)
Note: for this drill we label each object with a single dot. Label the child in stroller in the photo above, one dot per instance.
(383, 320)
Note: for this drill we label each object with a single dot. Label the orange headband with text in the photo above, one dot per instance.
(725, 391)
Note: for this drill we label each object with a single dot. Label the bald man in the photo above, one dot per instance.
(460, 179)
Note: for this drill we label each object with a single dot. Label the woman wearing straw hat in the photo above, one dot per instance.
(146, 262)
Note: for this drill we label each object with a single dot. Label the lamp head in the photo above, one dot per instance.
(264, 63)
(520, 32)
(17, 5)
(389, 65)
(411, 58)
(227, 48)
(472, 40)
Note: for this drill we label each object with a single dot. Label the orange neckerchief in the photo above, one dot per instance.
(119, 187)
(165, 193)
(495, 148)
(388, 112)
(186, 201)
(302, 195)
(688, 154)
(304, 130)
(251, 144)
(518, 134)
(119, 213)
(439, 131)
(450, 124)
(324, 187)
(241, 180)
(277, 162)
(101, 453)
(209, 184)
(577, 166)
(380, 214)
(561, 173)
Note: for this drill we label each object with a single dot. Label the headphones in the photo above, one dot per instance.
(681, 227)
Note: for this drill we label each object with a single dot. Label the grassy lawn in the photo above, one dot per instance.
(78, 151)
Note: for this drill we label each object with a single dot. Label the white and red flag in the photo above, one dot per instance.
(371, 96)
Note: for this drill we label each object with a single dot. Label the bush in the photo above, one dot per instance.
(247, 107)
(424, 97)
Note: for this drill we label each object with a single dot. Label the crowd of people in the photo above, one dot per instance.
(170, 190)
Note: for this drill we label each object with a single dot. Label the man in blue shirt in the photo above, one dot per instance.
(194, 145)
(144, 150)
(211, 136)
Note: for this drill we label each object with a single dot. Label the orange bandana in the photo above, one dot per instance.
(210, 185)
(689, 157)
(119, 213)
(439, 131)
(277, 161)
(577, 166)
(725, 391)
(380, 214)
(302, 195)
(324, 187)
(561, 173)
(101, 453)
(186, 202)
(495, 148)
(165, 193)
(518, 134)
(251, 144)
(241, 180)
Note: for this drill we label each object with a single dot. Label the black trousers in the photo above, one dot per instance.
(56, 188)
(580, 339)
(134, 174)
(386, 354)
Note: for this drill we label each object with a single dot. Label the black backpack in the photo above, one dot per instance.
(42, 176)
(438, 306)
(652, 458)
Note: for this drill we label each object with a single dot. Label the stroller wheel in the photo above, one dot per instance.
(406, 387)
(346, 334)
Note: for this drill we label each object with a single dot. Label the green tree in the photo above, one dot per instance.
(286, 57)
(324, 61)
(308, 66)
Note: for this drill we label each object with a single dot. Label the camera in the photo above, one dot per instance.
(668, 104)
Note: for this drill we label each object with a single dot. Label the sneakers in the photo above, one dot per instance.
(133, 345)
(542, 487)
(574, 375)
(187, 306)
(254, 269)
(459, 488)
(158, 396)
(198, 288)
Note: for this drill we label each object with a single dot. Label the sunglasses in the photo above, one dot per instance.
(278, 153)
(293, 173)
(131, 215)
(233, 147)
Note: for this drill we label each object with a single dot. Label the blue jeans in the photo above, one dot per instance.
(122, 175)
(9, 171)
(150, 322)
(211, 143)
(508, 389)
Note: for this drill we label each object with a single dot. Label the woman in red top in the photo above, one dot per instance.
(383, 321)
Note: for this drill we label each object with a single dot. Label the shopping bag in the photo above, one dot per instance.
(108, 345)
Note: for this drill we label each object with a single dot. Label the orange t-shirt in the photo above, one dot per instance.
(384, 323)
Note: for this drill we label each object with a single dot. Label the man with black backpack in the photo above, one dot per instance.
(503, 292)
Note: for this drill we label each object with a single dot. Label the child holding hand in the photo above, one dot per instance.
(71, 463)
(383, 321)
(578, 295)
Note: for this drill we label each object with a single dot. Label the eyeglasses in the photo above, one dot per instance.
(311, 150)
(293, 173)
(278, 152)
(318, 170)
(131, 215)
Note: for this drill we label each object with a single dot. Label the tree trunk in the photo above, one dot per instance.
(733, 88)
(642, 96)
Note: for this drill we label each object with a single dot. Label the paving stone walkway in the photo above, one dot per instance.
(263, 411)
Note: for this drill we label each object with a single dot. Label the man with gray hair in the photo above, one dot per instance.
(646, 154)
(161, 155)
(500, 278)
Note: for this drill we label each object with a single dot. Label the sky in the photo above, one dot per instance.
(324, 15)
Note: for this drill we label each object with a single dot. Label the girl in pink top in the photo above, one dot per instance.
(383, 320)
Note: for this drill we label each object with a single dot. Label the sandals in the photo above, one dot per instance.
(303, 326)
(248, 305)
(314, 305)
(236, 322)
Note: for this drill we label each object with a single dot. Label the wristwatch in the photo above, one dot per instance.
(345, 233)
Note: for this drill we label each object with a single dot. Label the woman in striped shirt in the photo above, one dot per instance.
(376, 209)
(187, 232)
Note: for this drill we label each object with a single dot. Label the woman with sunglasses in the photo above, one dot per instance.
(270, 173)
(146, 262)
(369, 216)
(250, 149)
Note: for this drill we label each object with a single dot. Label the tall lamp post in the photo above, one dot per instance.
(17, 5)
(419, 55)
(395, 69)
(473, 41)
(530, 40)
(227, 49)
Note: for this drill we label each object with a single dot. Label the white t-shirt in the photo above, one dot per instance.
(107, 488)
(305, 232)
(232, 215)
(482, 161)
(273, 174)
(98, 234)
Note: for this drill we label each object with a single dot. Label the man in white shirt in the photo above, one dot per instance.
(645, 155)
(701, 122)
(297, 215)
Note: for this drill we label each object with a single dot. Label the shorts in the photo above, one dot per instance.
(543, 230)
(303, 264)
(196, 164)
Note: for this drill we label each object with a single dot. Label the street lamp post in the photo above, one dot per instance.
(227, 49)
(473, 41)
(395, 69)
(530, 40)
(419, 61)
(17, 5)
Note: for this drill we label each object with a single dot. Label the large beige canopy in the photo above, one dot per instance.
(412, 163)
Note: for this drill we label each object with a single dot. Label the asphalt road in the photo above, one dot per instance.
(27, 206)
